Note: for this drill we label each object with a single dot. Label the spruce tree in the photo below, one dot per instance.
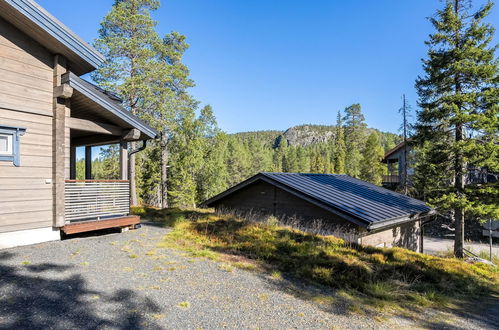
(458, 122)
(354, 139)
(371, 168)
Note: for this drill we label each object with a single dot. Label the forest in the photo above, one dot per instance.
(220, 160)
(455, 128)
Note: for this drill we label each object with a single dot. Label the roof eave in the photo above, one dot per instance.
(103, 100)
(399, 220)
(69, 44)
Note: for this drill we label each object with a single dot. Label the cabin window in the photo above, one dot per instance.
(9, 144)
(6, 144)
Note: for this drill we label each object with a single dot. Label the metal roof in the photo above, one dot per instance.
(358, 201)
(109, 102)
(35, 21)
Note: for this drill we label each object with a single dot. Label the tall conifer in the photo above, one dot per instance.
(129, 42)
(458, 121)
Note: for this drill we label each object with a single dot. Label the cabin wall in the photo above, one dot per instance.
(406, 235)
(26, 92)
(264, 198)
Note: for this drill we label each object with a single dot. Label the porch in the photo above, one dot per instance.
(97, 204)
(96, 119)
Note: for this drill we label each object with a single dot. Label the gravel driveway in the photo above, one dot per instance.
(122, 281)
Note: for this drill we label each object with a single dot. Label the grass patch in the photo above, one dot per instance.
(226, 267)
(184, 304)
(390, 278)
(133, 256)
(276, 274)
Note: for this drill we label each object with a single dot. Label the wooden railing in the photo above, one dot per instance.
(391, 179)
(96, 199)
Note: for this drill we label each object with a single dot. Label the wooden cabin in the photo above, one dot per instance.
(345, 207)
(46, 112)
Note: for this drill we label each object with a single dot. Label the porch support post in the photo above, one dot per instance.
(72, 162)
(60, 140)
(123, 160)
(88, 162)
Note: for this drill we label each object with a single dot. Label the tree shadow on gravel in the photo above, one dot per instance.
(340, 302)
(41, 296)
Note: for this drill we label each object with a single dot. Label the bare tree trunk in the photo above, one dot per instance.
(133, 184)
(164, 172)
(459, 160)
(459, 185)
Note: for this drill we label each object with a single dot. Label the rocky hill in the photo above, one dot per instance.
(306, 135)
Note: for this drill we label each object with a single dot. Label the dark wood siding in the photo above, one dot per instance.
(266, 199)
(262, 197)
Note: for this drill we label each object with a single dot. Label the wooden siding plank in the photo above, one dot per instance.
(34, 118)
(19, 217)
(31, 224)
(13, 53)
(23, 68)
(14, 207)
(14, 89)
(27, 81)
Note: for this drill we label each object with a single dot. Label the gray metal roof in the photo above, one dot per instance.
(371, 206)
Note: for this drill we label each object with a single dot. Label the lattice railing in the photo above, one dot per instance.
(96, 199)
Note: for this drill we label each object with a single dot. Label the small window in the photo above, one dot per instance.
(9, 144)
(6, 144)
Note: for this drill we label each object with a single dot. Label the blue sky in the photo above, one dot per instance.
(273, 64)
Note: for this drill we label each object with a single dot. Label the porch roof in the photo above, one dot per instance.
(92, 104)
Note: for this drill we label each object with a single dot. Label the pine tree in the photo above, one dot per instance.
(458, 121)
(371, 168)
(339, 146)
(129, 42)
(354, 139)
(171, 82)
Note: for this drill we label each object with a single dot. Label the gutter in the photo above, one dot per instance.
(399, 220)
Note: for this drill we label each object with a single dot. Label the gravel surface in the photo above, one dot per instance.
(435, 245)
(123, 281)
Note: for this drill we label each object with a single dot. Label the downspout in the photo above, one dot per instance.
(139, 149)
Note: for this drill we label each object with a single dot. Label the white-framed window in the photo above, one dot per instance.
(10, 149)
(6, 144)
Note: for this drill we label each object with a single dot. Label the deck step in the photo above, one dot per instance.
(83, 226)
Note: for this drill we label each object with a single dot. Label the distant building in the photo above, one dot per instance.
(395, 162)
(352, 209)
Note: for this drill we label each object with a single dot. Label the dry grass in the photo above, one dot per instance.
(391, 278)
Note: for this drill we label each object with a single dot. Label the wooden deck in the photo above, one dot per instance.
(83, 226)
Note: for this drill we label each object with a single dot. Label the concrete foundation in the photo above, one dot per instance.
(29, 236)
